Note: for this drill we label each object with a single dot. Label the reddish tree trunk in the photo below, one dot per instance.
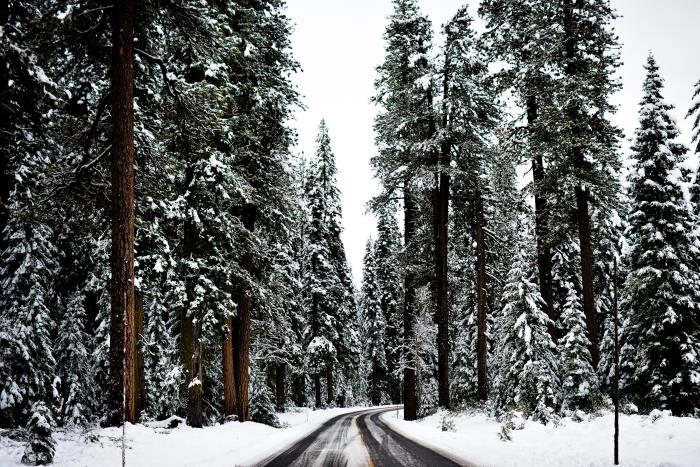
(228, 373)
(481, 341)
(241, 326)
(410, 407)
(122, 359)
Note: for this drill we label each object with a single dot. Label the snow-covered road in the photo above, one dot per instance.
(358, 439)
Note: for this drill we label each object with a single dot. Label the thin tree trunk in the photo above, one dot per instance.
(228, 372)
(280, 396)
(317, 390)
(583, 217)
(409, 313)
(544, 252)
(241, 326)
(481, 341)
(330, 397)
(616, 336)
(122, 361)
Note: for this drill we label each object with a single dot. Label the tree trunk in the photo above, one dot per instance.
(317, 390)
(122, 361)
(583, 217)
(409, 313)
(196, 385)
(280, 397)
(241, 325)
(228, 373)
(300, 390)
(330, 397)
(441, 202)
(481, 341)
(544, 252)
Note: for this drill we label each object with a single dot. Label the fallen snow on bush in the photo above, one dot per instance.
(156, 444)
(666, 442)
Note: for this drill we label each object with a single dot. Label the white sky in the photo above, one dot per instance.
(339, 44)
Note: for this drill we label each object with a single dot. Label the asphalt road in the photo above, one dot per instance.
(357, 439)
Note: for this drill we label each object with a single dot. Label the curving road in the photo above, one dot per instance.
(357, 439)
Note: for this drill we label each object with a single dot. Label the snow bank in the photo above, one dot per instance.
(147, 446)
(668, 441)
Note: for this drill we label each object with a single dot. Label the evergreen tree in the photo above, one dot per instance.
(41, 445)
(73, 360)
(27, 365)
(695, 109)
(662, 342)
(387, 248)
(578, 380)
(528, 370)
(262, 406)
(404, 125)
(374, 327)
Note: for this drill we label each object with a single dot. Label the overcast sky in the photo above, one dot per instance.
(339, 45)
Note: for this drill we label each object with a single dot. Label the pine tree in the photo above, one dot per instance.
(662, 342)
(387, 248)
(374, 326)
(404, 93)
(262, 406)
(578, 380)
(528, 370)
(41, 446)
(27, 365)
(73, 360)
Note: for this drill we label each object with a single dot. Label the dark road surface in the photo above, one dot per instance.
(357, 439)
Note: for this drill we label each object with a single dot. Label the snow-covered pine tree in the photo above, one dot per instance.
(660, 296)
(26, 276)
(528, 371)
(262, 405)
(73, 358)
(374, 327)
(404, 89)
(387, 248)
(41, 445)
(578, 380)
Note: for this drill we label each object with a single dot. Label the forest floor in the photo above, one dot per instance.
(645, 441)
(153, 444)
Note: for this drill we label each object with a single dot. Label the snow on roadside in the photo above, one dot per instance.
(667, 442)
(222, 445)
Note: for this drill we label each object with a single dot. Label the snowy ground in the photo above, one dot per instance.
(667, 442)
(224, 445)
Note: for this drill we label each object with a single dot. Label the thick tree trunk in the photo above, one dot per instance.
(280, 397)
(482, 304)
(241, 326)
(122, 358)
(228, 372)
(196, 385)
(544, 252)
(409, 313)
(583, 217)
(300, 390)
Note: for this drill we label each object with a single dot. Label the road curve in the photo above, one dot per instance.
(357, 439)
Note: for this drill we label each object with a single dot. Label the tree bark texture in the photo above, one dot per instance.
(241, 325)
(330, 397)
(317, 391)
(544, 251)
(228, 373)
(482, 299)
(122, 359)
(409, 313)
